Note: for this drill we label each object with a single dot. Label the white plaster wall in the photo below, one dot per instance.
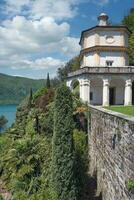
(97, 95)
(90, 59)
(90, 40)
(119, 95)
(97, 90)
(116, 35)
(119, 39)
(119, 90)
(115, 56)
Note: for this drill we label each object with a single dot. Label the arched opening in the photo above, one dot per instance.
(116, 91)
(96, 91)
(133, 92)
(75, 87)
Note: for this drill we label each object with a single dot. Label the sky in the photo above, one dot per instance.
(39, 36)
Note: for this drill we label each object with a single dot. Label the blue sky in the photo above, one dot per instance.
(38, 36)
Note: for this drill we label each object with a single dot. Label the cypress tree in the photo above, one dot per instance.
(30, 98)
(48, 85)
(63, 176)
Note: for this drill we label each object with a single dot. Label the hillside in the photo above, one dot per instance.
(26, 149)
(13, 89)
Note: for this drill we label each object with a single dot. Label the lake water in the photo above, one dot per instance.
(9, 111)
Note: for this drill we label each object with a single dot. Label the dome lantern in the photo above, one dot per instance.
(103, 19)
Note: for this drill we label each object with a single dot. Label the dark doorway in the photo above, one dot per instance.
(112, 96)
(133, 92)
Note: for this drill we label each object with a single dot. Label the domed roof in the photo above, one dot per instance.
(103, 16)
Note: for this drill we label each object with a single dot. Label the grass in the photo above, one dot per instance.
(127, 110)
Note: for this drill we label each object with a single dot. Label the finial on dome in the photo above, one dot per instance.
(103, 19)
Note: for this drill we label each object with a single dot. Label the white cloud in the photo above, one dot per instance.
(70, 46)
(38, 64)
(37, 9)
(25, 36)
(22, 36)
(21, 63)
(13, 7)
(21, 40)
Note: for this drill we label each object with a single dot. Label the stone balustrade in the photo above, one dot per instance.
(102, 70)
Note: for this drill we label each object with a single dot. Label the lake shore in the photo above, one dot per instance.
(9, 111)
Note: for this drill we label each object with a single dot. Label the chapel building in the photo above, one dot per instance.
(105, 77)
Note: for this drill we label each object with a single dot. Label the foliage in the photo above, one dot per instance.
(25, 167)
(1, 198)
(63, 159)
(131, 185)
(39, 93)
(81, 166)
(3, 121)
(48, 84)
(47, 120)
(76, 102)
(129, 21)
(26, 149)
(30, 98)
(70, 66)
(14, 89)
(131, 48)
(44, 100)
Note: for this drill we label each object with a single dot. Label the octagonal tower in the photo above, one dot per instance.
(104, 45)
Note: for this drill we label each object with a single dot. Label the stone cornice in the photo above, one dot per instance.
(121, 28)
(102, 70)
(104, 48)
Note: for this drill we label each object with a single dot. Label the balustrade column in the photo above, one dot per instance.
(105, 92)
(128, 93)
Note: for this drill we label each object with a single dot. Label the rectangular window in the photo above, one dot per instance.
(91, 96)
(109, 63)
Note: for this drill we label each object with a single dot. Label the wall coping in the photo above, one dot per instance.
(113, 113)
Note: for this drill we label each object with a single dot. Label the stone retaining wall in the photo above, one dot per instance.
(111, 142)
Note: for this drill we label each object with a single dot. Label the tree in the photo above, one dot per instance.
(30, 98)
(63, 176)
(3, 121)
(70, 66)
(131, 49)
(48, 85)
(129, 21)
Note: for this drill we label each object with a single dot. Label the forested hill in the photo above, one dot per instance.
(13, 89)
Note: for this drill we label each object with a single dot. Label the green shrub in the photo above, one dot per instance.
(81, 166)
(1, 198)
(63, 159)
(39, 93)
(131, 185)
